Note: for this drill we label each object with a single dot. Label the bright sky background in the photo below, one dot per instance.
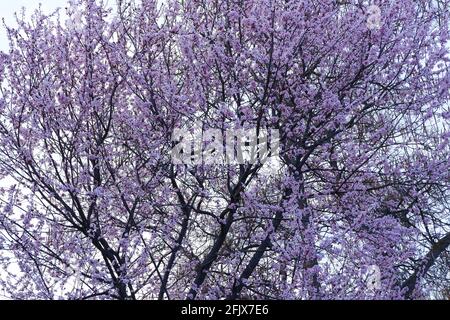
(8, 7)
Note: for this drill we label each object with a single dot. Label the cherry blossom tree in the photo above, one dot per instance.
(355, 205)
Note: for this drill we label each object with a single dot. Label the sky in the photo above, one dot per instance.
(8, 7)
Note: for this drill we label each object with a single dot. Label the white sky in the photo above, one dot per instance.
(8, 7)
